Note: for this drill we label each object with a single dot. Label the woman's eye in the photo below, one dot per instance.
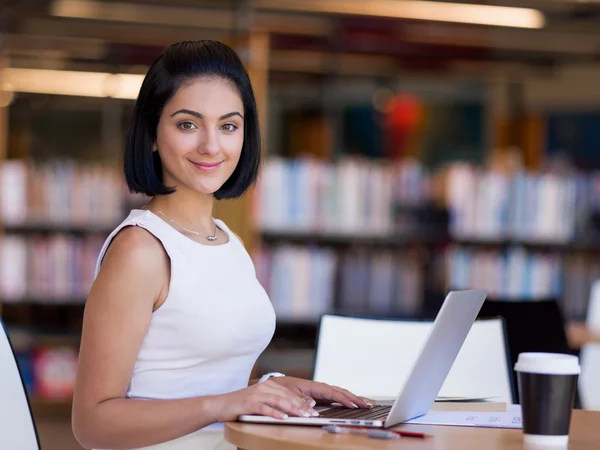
(187, 126)
(229, 127)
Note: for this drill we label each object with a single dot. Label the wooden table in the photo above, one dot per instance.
(579, 334)
(584, 435)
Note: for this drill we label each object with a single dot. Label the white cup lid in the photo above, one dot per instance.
(548, 363)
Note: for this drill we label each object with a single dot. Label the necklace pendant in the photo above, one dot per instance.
(211, 238)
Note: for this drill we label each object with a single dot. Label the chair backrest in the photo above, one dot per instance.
(531, 326)
(589, 388)
(17, 426)
(373, 357)
(593, 312)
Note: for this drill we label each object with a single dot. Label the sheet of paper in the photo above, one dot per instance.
(510, 419)
(464, 399)
(389, 401)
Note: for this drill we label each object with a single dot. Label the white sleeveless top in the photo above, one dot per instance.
(215, 322)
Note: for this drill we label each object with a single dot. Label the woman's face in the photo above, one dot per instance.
(200, 135)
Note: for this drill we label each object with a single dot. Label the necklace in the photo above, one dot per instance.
(211, 238)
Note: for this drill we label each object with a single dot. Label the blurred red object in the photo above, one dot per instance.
(403, 115)
(54, 372)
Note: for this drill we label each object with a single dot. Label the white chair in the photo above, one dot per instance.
(589, 388)
(17, 427)
(593, 311)
(372, 357)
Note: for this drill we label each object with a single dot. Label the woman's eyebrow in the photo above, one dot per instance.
(200, 116)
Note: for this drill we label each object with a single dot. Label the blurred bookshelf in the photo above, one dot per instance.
(319, 253)
(55, 219)
(56, 214)
(379, 193)
(358, 237)
(484, 235)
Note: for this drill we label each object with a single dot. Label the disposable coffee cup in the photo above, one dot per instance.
(547, 383)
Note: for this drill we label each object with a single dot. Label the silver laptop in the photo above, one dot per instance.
(425, 379)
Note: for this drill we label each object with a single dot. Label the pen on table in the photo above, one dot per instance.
(399, 432)
(375, 432)
(370, 432)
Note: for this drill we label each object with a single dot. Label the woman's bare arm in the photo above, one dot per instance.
(134, 278)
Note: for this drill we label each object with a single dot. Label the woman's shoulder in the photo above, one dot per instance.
(133, 244)
(136, 245)
(140, 226)
(135, 240)
(133, 269)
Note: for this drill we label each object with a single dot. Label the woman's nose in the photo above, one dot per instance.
(211, 145)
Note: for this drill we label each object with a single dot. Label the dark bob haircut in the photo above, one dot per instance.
(182, 62)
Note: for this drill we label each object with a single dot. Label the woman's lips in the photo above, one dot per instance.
(208, 167)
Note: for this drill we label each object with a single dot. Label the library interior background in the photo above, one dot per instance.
(405, 155)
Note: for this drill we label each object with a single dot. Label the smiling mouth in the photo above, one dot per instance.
(207, 166)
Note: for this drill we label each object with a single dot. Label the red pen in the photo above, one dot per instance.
(398, 432)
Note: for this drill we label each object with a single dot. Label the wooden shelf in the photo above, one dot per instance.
(50, 408)
(55, 340)
(346, 239)
(44, 318)
(45, 302)
(589, 244)
(579, 244)
(49, 228)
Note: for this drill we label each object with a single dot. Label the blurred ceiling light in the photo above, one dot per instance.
(140, 13)
(6, 95)
(129, 85)
(64, 82)
(502, 16)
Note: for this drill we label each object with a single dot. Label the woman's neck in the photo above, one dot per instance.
(190, 209)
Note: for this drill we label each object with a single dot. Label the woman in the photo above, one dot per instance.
(176, 318)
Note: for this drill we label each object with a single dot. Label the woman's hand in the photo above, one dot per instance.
(268, 399)
(314, 392)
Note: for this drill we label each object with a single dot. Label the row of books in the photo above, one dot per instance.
(61, 192)
(511, 274)
(299, 280)
(381, 283)
(351, 196)
(523, 275)
(54, 268)
(362, 197)
(533, 207)
(303, 282)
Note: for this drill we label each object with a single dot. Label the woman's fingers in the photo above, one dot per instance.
(275, 388)
(266, 410)
(286, 400)
(361, 403)
(339, 395)
(289, 405)
(306, 398)
(309, 400)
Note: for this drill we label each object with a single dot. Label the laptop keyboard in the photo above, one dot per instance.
(342, 412)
